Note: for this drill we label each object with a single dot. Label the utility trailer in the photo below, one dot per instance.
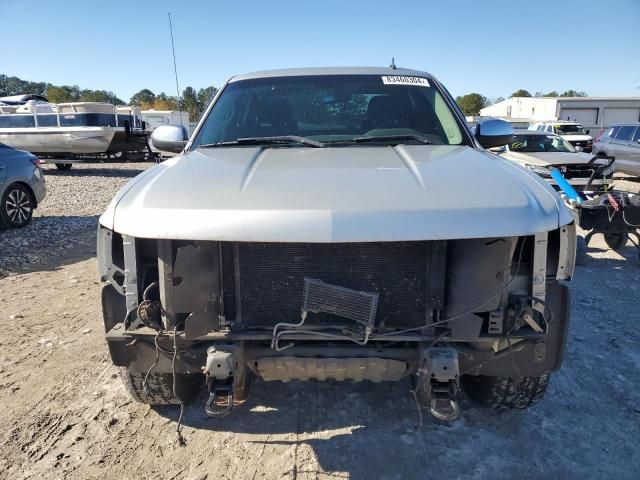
(616, 215)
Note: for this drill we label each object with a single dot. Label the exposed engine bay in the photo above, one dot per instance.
(381, 311)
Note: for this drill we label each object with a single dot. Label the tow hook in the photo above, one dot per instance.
(219, 373)
(439, 381)
(213, 407)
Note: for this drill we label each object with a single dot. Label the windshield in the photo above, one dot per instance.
(331, 109)
(540, 143)
(569, 130)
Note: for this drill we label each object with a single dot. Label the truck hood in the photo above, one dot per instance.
(341, 194)
(576, 138)
(547, 159)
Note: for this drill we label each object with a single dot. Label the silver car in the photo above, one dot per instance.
(22, 186)
(542, 151)
(623, 142)
(336, 223)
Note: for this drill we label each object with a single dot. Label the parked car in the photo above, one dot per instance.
(572, 132)
(22, 186)
(336, 223)
(623, 142)
(541, 151)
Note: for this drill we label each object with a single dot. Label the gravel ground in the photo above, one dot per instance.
(68, 216)
(64, 413)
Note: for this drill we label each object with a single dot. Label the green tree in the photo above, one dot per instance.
(16, 86)
(194, 101)
(165, 102)
(204, 97)
(521, 93)
(553, 93)
(112, 98)
(145, 99)
(471, 103)
(63, 94)
(573, 93)
(100, 96)
(190, 102)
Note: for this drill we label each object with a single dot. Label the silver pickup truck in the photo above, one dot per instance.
(336, 224)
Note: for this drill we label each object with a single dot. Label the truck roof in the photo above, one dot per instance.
(524, 131)
(299, 72)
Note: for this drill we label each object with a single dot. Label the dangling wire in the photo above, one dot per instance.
(513, 362)
(414, 395)
(181, 439)
(464, 314)
(627, 222)
(155, 362)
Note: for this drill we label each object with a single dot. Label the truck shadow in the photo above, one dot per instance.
(48, 243)
(356, 430)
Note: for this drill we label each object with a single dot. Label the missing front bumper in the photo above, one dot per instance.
(356, 369)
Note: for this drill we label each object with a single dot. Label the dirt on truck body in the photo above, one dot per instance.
(312, 229)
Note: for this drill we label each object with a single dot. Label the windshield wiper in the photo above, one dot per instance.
(392, 138)
(279, 140)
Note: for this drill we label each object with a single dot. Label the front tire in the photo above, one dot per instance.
(16, 207)
(506, 393)
(159, 389)
(134, 156)
(615, 241)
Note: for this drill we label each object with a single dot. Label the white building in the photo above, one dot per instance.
(594, 113)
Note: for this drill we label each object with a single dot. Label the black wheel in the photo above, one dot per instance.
(506, 392)
(64, 166)
(159, 388)
(17, 207)
(615, 241)
(134, 156)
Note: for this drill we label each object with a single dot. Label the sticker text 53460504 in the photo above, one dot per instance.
(404, 80)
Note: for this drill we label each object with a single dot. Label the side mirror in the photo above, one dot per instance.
(587, 131)
(494, 133)
(169, 138)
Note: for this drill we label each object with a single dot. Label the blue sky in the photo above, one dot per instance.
(492, 47)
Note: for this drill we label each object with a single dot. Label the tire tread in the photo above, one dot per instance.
(159, 389)
(507, 392)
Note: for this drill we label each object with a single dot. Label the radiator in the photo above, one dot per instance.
(263, 282)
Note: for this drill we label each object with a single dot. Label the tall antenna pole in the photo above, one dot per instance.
(175, 69)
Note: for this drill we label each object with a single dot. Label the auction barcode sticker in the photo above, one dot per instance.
(404, 80)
